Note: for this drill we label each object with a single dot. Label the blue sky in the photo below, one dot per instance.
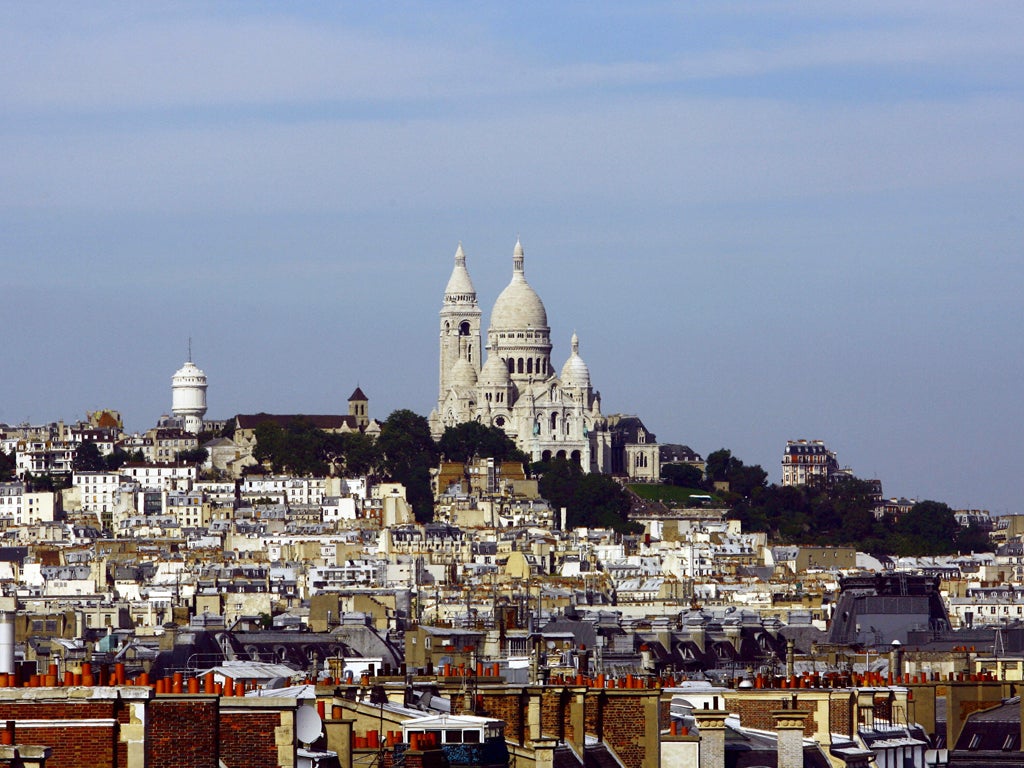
(765, 221)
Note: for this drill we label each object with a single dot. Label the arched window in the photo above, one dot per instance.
(464, 328)
(554, 422)
(511, 365)
(529, 365)
(519, 365)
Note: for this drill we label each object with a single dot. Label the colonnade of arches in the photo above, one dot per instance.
(537, 365)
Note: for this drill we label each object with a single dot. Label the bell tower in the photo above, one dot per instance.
(460, 325)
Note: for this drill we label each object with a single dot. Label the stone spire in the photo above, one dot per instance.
(518, 258)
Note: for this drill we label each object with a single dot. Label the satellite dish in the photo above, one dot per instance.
(308, 725)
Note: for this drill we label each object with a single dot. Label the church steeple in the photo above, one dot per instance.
(460, 328)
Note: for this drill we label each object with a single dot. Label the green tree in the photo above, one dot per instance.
(745, 479)
(116, 459)
(193, 455)
(558, 481)
(358, 452)
(929, 528)
(408, 453)
(599, 501)
(270, 444)
(88, 459)
(718, 465)
(298, 447)
(471, 438)
(682, 475)
(7, 466)
(589, 499)
(46, 482)
(973, 538)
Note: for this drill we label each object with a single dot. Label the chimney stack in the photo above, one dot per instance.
(789, 725)
(711, 728)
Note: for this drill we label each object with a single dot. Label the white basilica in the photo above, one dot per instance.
(546, 413)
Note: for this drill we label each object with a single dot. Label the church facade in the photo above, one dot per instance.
(510, 382)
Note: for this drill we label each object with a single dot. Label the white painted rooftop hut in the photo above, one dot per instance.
(456, 729)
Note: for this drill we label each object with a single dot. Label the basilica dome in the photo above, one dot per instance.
(463, 373)
(518, 307)
(575, 372)
(494, 373)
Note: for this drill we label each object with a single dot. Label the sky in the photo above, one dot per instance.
(765, 221)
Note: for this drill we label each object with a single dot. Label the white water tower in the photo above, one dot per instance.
(188, 395)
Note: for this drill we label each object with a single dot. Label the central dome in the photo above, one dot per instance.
(518, 308)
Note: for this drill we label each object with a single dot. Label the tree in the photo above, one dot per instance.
(682, 475)
(471, 438)
(193, 455)
(973, 538)
(7, 466)
(722, 466)
(929, 528)
(358, 452)
(558, 480)
(718, 465)
(599, 501)
(116, 459)
(408, 454)
(745, 479)
(590, 500)
(298, 447)
(88, 459)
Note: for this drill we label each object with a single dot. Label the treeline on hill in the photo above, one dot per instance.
(403, 453)
(841, 512)
(590, 499)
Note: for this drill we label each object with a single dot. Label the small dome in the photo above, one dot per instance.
(459, 283)
(189, 373)
(463, 373)
(494, 372)
(518, 306)
(575, 372)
